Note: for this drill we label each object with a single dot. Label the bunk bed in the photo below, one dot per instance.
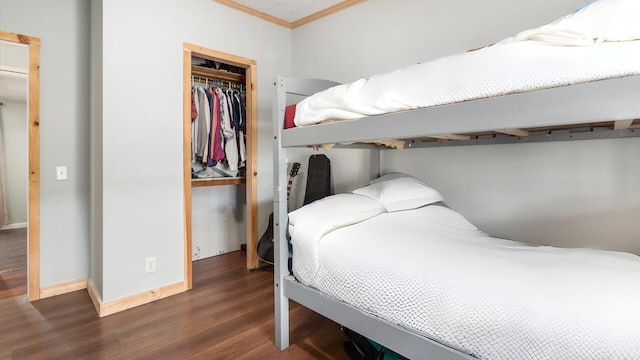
(605, 106)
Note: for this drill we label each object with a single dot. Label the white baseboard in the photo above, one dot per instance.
(14, 226)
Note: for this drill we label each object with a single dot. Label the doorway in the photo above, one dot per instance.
(13, 170)
(33, 166)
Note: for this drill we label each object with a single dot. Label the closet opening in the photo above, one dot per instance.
(219, 153)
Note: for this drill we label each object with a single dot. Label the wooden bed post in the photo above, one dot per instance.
(281, 251)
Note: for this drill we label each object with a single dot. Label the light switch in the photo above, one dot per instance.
(61, 173)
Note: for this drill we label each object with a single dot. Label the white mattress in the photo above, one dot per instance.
(431, 271)
(598, 41)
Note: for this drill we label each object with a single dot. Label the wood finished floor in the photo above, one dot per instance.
(227, 315)
(13, 262)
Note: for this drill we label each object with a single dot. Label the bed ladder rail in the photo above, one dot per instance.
(281, 251)
(284, 87)
(304, 87)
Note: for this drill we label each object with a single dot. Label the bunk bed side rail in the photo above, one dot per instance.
(604, 100)
(407, 343)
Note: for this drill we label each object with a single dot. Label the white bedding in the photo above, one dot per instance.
(598, 41)
(431, 271)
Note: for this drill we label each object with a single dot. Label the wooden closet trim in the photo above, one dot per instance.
(33, 222)
(251, 182)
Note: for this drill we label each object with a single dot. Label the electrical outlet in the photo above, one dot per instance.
(61, 173)
(150, 265)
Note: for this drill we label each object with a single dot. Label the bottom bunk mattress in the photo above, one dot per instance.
(431, 271)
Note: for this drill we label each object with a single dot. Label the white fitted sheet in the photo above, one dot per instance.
(599, 41)
(431, 271)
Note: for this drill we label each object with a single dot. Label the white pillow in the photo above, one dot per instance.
(333, 212)
(401, 193)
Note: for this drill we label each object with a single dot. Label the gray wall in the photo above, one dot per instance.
(378, 36)
(136, 116)
(567, 194)
(140, 126)
(63, 27)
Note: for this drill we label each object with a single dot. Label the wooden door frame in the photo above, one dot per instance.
(251, 182)
(33, 222)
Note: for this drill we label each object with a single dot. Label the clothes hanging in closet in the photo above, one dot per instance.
(218, 129)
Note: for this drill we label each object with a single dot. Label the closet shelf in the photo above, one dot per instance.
(218, 181)
(217, 74)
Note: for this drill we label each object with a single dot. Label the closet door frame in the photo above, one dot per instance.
(33, 196)
(251, 182)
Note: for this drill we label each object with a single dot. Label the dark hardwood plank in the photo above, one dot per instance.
(227, 315)
(13, 262)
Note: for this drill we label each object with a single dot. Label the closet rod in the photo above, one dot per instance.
(208, 82)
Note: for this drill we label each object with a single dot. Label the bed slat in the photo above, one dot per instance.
(622, 124)
(451, 137)
(514, 132)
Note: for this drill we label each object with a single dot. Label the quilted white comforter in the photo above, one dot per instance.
(431, 271)
(598, 41)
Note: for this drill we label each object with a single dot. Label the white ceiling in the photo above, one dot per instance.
(289, 12)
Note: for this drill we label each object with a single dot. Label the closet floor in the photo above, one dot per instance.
(227, 315)
(13, 262)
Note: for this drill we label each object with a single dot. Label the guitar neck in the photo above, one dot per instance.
(294, 171)
(289, 186)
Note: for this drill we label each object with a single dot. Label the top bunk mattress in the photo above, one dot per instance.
(600, 40)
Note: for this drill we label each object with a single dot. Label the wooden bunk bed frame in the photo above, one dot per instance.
(594, 110)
